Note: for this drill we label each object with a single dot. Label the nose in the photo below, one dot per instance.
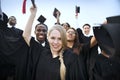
(56, 41)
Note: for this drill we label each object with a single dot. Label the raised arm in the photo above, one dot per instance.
(93, 41)
(58, 17)
(28, 28)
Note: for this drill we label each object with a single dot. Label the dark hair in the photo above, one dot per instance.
(77, 45)
(68, 25)
(86, 25)
(12, 17)
(42, 24)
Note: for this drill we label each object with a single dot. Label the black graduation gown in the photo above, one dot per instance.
(91, 57)
(84, 52)
(13, 54)
(106, 68)
(44, 67)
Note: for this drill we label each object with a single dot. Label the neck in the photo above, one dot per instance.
(39, 41)
(54, 54)
(70, 44)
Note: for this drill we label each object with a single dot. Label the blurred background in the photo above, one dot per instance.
(91, 11)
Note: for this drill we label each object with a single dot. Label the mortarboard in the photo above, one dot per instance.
(33, 3)
(113, 19)
(77, 10)
(41, 19)
(108, 39)
(55, 12)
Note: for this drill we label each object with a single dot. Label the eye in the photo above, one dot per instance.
(72, 32)
(59, 38)
(52, 38)
(43, 30)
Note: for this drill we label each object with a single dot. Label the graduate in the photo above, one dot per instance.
(41, 30)
(13, 52)
(81, 50)
(107, 65)
(56, 63)
(90, 57)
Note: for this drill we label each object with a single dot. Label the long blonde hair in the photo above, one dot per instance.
(64, 42)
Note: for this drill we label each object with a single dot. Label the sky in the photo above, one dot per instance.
(91, 11)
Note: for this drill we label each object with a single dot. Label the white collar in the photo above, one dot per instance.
(43, 44)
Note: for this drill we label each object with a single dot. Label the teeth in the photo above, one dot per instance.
(40, 36)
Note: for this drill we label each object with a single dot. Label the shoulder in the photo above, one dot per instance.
(35, 45)
(68, 52)
(69, 56)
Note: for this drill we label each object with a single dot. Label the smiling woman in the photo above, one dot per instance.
(56, 63)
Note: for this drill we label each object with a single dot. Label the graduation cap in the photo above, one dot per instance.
(41, 19)
(113, 19)
(33, 3)
(55, 12)
(77, 9)
(108, 39)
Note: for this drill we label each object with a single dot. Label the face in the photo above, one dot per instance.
(41, 32)
(12, 21)
(55, 41)
(86, 29)
(65, 26)
(70, 34)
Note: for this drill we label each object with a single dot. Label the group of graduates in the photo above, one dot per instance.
(59, 54)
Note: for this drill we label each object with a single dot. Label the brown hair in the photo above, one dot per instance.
(77, 46)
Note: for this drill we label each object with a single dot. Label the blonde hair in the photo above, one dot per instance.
(64, 42)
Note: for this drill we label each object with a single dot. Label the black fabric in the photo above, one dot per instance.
(84, 53)
(55, 12)
(13, 54)
(106, 69)
(91, 54)
(80, 35)
(113, 19)
(3, 23)
(108, 38)
(33, 3)
(44, 67)
(41, 19)
(91, 57)
(77, 9)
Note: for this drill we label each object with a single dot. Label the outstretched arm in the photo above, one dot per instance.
(28, 27)
(93, 41)
(58, 17)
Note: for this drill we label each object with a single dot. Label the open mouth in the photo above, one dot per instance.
(41, 36)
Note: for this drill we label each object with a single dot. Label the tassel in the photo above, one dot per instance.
(24, 7)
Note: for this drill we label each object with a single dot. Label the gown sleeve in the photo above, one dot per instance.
(34, 51)
(72, 67)
(82, 61)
